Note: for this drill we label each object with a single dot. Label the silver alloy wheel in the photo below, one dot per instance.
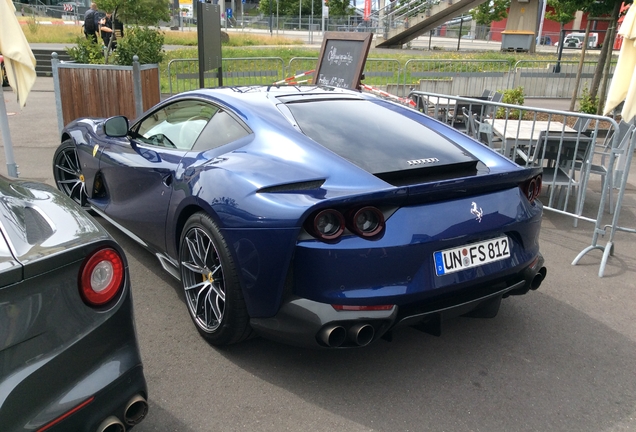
(68, 174)
(203, 280)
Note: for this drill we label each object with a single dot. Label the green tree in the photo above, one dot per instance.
(143, 12)
(487, 13)
(561, 11)
(609, 9)
(290, 7)
(494, 10)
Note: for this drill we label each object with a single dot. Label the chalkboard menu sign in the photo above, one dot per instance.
(342, 59)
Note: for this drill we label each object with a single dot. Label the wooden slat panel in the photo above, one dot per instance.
(150, 88)
(89, 92)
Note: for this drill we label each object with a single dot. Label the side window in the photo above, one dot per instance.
(177, 125)
(221, 130)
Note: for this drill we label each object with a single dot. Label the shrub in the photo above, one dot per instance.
(587, 104)
(143, 42)
(513, 97)
(33, 25)
(86, 51)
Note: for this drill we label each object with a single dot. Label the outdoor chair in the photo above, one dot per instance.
(456, 114)
(497, 97)
(490, 110)
(556, 177)
(478, 129)
(588, 167)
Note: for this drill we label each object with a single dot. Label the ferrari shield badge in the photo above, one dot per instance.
(96, 147)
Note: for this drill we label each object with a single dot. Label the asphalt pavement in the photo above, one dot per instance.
(562, 358)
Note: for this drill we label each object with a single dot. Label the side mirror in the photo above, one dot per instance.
(116, 126)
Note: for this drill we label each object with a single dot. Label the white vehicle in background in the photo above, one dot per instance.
(575, 40)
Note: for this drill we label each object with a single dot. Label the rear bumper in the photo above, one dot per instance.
(312, 324)
(110, 402)
(77, 387)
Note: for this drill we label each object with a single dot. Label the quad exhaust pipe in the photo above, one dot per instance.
(136, 410)
(359, 334)
(333, 336)
(111, 424)
(538, 278)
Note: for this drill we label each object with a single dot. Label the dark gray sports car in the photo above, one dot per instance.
(69, 359)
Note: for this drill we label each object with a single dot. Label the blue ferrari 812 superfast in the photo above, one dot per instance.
(313, 216)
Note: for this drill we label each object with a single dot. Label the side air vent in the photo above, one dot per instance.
(38, 228)
(293, 187)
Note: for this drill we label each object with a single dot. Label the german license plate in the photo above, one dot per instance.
(472, 255)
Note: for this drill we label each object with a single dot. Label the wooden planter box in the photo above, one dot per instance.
(84, 90)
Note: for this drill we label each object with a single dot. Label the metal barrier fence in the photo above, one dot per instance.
(183, 74)
(540, 79)
(457, 77)
(298, 65)
(571, 147)
(379, 73)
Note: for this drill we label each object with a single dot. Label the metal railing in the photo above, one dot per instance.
(456, 77)
(553, 139)
(443, 76)
(539, 79)
(183, 74)
(379, 73)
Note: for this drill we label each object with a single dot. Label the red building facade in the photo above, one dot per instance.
(551, 28)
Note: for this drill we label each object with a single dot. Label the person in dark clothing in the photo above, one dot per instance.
(106, 30)
(90, 23)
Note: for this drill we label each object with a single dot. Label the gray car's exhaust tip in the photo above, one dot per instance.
(111, 424)
(136, 410)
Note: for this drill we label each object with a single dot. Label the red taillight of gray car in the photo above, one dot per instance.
(101, 277)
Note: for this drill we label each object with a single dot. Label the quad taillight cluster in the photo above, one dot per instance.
(329, 224)
(101, 277)
(532, 188)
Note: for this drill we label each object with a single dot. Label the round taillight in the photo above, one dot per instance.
(328, 224)
(539, 182)
(101, 277)
(367, 222)
(531, 190)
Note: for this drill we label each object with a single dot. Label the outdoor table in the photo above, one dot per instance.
(439, 104)
(523, 132)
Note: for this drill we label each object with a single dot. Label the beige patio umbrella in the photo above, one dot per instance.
(18, 57)
(20, 65)
(623, 86)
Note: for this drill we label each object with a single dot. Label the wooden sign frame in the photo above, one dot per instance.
(342, 59)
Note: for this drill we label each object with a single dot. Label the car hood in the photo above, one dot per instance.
(37, 223)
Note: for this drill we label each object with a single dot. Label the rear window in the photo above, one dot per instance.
(373, 137)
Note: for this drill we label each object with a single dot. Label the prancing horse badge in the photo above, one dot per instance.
(477, 212)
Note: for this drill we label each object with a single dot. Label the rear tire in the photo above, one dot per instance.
(67, 172)
(210, 283)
